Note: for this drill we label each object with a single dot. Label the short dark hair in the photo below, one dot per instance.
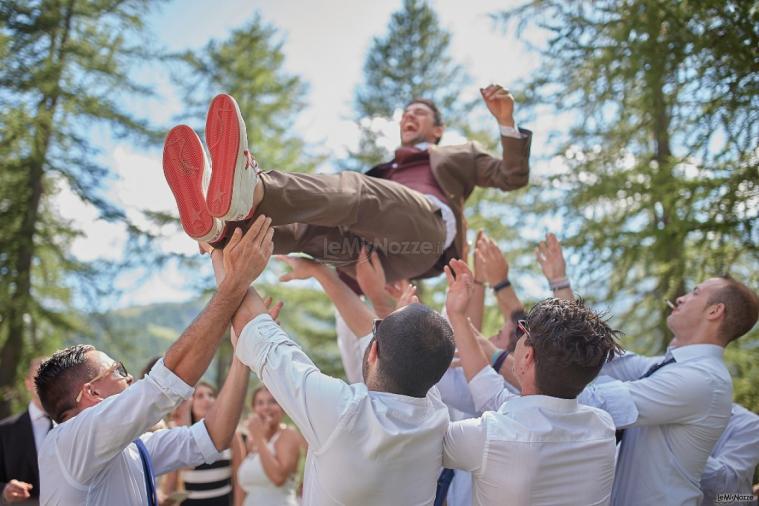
(437, 116)
(59, 378)
(571, 343)
(415, 347)
(741, 307)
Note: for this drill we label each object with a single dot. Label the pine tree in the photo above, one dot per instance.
(412, 60)
(249, 66)
(64, 64)
(661, 177)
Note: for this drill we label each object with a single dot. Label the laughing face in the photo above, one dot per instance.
(418, 125)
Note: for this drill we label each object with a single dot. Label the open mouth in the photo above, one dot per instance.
(409, 127)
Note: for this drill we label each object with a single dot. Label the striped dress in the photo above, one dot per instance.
(210, 484)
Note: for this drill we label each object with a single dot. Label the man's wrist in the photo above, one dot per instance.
(508, 131)
(458, 317)
(504, 283)
(558, 283)
(232, 286)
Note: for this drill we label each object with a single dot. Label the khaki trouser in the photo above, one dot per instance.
(330, 216)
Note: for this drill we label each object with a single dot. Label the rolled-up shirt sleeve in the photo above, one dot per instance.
(489, 390)
(171, 449)
(312, 399)
(87, 442)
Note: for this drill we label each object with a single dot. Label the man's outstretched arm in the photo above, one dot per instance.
(312, 399)
(356, 314)
(512, 171)
(245, 257)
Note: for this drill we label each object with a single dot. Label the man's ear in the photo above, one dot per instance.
(529, 356)
(91, 393)
(715, 311)
(373, 354)
(438, 131)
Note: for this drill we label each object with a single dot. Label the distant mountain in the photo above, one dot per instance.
(137, 334)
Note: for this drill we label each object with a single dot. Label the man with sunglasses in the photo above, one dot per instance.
(543, 447)
(100, 452)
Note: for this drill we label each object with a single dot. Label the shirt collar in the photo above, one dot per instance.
(35, 413)
(540, 401)
(696, 351)
(422, 145)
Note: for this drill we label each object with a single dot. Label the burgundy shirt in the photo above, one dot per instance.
(411, 168)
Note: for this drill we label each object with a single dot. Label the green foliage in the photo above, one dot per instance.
(249, 66)
(412, 60)
(659, 186)
(63, 67)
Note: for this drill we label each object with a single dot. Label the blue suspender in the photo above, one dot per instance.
(147, 467)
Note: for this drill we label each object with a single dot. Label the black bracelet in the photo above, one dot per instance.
(498, 363)
(501, 285)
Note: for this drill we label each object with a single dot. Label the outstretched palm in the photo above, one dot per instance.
(460, 281)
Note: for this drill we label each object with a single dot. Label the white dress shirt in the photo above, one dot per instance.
(351, 350)
(730, 467)
(536, 450)
(678, 414)
(365, 447)
(41, 424)
(90, 459)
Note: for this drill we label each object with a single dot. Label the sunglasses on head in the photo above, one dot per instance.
(522, 329)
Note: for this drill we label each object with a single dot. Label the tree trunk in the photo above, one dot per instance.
(21, 293)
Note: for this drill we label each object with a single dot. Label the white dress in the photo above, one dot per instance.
(259, 489)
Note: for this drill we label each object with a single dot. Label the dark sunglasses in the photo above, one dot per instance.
(522, 329)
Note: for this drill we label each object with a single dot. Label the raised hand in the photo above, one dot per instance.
(408, 296)
(479, 265)
(491, 260)
(500, 103)
(370, 275)
(275, 309)
(551, 259)
(246, 256)
(396, 288)
(460, 284)
(301, 268)
(258, 427)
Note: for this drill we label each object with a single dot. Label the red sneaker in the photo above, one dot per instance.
(186, 168)
(233, 176)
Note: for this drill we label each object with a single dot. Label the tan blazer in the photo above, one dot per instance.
(459, 169)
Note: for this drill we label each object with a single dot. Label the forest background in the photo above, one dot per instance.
(645, 157)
